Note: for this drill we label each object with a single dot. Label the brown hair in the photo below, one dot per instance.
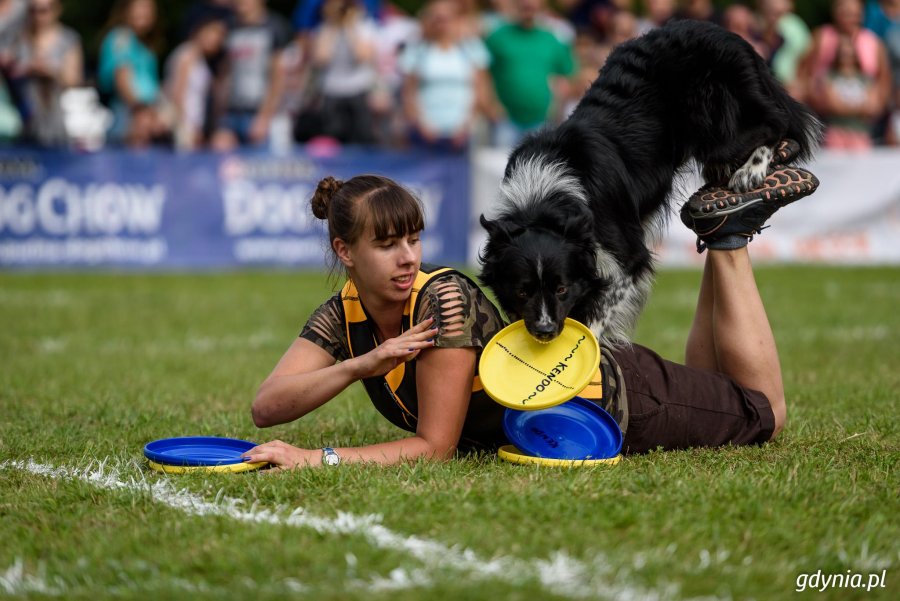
(349, 207)
(153, 39)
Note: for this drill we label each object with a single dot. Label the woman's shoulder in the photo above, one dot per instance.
(68, 37)
(474, 49)
(465, 315)
(325, 328)
(454, 279)
(184, 53)
(119, 39)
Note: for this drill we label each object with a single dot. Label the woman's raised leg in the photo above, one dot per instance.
(744, 344)
(700, 351)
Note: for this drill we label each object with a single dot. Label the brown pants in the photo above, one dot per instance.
(672, 406)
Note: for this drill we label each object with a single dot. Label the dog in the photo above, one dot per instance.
(582, 203)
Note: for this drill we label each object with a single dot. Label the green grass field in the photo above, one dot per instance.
(96, 365)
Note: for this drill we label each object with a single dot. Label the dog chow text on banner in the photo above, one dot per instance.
(156, 209)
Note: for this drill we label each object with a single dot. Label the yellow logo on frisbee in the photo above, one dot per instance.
(519, 372)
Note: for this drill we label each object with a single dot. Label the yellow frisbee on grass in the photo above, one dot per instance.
(232, 468)
(521, 373)
(513, 455)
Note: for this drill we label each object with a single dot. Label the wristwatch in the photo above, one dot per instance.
(330, 457)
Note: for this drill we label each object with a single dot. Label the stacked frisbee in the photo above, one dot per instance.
(199, 453)
(545, 420)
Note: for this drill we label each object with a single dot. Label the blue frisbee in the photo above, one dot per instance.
(576, 429)
(197, 450)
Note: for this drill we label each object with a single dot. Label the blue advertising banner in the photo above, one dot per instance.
(159, 209)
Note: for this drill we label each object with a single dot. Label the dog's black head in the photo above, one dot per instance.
(542, 268)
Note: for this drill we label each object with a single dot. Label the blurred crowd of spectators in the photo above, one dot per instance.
(364, 72)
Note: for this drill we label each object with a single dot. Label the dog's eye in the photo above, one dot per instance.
(561, 290)
(522, 294)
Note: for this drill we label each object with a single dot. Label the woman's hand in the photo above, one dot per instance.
(394, 351)
(426, 133)
(872, 107)
(461, 137)
(284, 456)
(259, 128)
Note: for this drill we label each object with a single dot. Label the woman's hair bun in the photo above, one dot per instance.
(325, 191)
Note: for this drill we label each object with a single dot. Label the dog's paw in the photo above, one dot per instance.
(752, 173)
(785, 152)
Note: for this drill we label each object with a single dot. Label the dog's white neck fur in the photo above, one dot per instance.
(536, 178)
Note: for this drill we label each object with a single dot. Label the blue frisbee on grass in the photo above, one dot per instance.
(576, 429)
(197, 451)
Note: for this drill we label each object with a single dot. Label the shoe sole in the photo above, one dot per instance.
(781, 187)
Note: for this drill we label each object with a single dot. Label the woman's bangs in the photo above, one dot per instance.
(394, 212)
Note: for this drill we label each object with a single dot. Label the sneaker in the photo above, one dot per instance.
(726, 220)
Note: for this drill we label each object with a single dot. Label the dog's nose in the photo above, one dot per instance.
(544, 331)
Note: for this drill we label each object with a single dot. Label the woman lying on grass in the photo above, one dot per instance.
(413, 334)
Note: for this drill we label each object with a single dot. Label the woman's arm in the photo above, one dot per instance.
(485, 103)
(306, 377)
(832, 105)
(124, 89)
(72, 67)
(806, 73)
(259, 129)
(410, 98)
(883, 85)
(323, 45)
(179, 84)
(444, 383)
(362, 45)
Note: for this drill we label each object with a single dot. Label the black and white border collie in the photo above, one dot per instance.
(583, 203)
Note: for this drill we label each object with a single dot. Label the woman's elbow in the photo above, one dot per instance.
(446, 453)
(261, 410)
(260, 416)
(440, 451)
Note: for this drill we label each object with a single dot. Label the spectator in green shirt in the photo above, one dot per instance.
(526, 64)
(788, 39)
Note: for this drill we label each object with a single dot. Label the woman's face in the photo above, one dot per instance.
(384, 269)
(847, 15)
(440, 20)
(211, 37)
(142, 16)
(43, 12)
(247, 9)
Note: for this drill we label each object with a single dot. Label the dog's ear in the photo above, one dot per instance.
(578, 229)
(496, 229)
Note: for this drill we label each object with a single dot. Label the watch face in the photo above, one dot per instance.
(331, 459)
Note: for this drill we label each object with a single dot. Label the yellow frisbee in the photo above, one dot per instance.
(232, 468)
(513, 455)
(521, 373)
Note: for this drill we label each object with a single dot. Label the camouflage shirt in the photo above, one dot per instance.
(466, 318)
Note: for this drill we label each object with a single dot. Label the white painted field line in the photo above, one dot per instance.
(560, 574)
(17, 580)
